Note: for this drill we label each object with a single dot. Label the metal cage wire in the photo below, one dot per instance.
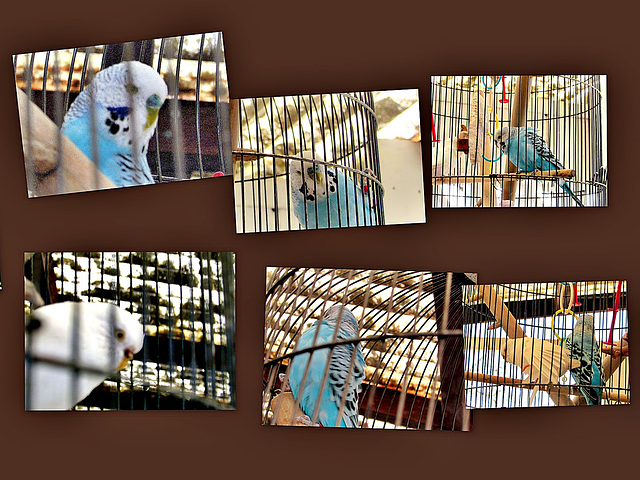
(341, 131)
(192, 139)
(468, 168)
(410, 334)
(185, 302)
(539, 312)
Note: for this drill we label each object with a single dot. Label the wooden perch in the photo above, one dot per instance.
(611, 363)
(504, 318)
(518, 119)
(616, 396)
(558, 394)
(565, 173)
(44, 146)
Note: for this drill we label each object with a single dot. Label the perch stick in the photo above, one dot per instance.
(453, 179)
(617, 397)
(611, 364)
(479, 149)
(238, 154)
(504, 318)
(40, 136)
(234, 115)
(518, 119)
(516, 382)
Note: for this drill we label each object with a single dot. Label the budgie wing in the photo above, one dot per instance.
(338, 373)
(541, 149)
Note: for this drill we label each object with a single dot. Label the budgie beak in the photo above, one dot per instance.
(125, 361)
(315, 171)
(152, 116)
(153, 108)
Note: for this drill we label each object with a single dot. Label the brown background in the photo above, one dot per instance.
(275, 48)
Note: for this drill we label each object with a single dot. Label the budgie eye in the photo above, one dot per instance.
(131, 88)
(119, 334)
(154, 101)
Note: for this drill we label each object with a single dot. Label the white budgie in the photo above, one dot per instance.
(71, 347)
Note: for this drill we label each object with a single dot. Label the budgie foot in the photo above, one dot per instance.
(285, 387)
(305, 421)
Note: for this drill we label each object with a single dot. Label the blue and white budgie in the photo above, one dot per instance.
(330, 395)
(325, 196)
(126, 99)
(583, 346)
(71, 347)
(528, 151)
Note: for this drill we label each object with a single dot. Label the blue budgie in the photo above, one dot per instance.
(583, 346)
(330, 394)
(528, 151)
(325, 196)
(126, 98)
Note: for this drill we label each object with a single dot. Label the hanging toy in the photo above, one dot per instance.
(504, 98)
(616, 306)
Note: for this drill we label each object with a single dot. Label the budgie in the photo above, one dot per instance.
(528, 151)
(542, 361)
(71, 347)
(327, 198)
(126, 99)
(583, 346)
(330, 394)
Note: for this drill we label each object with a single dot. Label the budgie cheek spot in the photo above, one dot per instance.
(113, 127)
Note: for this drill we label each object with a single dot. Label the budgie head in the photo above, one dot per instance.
(503, 136)
(308, 179)
(348, 322)
(96, 336)
(585, 324)
(127, 98)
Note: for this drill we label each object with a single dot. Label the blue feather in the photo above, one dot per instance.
(528, 151)
(327, 397)
(583, 346)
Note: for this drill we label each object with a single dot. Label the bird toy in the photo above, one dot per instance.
(616, 306)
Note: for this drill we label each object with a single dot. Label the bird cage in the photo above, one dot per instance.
(331, 135)
(555, 155)
(192, 138)
(546, 344)
(184, 303)
(410, 374)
